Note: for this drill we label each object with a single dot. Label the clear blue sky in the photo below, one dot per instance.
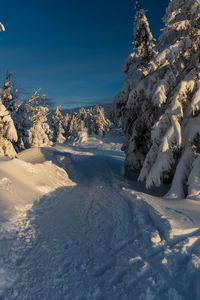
(72, 49)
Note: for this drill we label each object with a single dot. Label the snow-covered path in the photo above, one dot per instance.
(92, 240)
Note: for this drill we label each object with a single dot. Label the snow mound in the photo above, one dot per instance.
(22, 182)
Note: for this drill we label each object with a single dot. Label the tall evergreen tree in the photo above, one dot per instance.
(143, 38)
(135, 64)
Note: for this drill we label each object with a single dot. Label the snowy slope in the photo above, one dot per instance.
(92, 234)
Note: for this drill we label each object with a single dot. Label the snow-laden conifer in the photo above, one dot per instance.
(58, 127)
(8, 133)
(96, 122)
(40, 134)
(9, 93)
(161, 114)
(175, 130)
(31, 123)
(135, 64)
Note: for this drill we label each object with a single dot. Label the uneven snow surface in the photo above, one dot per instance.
(73, 228)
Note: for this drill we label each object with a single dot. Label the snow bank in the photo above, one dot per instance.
(22, 183)
(174, 218)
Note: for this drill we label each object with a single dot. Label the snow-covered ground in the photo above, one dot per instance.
(72, 227)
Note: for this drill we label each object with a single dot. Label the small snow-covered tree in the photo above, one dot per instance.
(81, 135)
(31, 123)
(39, 133)
(67, 120)
(8, 133)
(22, 124)
(161, 119)
(58, 127)
(72, 130)
(9, 93)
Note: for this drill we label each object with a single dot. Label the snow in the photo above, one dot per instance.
(72, 227)
(2, 27)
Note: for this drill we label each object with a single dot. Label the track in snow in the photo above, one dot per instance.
(91, 242)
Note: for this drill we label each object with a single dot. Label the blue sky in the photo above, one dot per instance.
(72, 49)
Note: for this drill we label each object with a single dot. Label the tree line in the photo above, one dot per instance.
(30, 123)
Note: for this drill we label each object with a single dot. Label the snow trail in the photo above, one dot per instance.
(96, 240)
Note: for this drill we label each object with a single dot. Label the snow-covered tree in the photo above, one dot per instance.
(72, 128)
(81, 134)
(31, 123)
(9, 93)
(67, 120)
(79, 125)
(39, 134)
(22, 124)
(135, 64)
(97, 123)
(143, 38)
(58, 127)
(161, 119)
(8, 133)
